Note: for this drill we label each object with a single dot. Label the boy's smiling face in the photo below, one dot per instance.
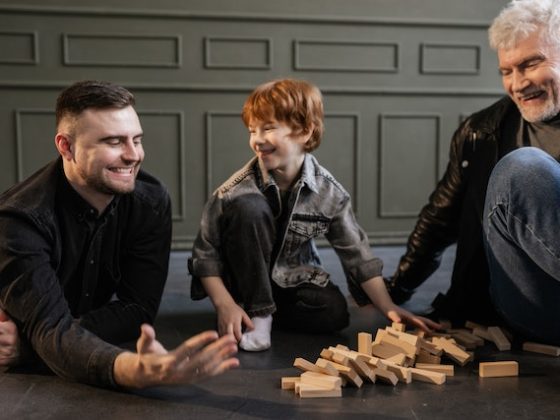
(278, 149)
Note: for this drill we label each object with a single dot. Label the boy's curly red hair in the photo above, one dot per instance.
(297, 103)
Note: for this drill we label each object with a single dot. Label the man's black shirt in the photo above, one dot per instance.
(71, 278)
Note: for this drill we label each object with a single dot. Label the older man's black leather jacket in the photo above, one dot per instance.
(454, 215)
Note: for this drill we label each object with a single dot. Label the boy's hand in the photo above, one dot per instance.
(9, 341)
(197, 358)
(398, 314)
(231, 319)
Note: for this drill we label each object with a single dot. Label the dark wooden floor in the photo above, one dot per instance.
(253, 390)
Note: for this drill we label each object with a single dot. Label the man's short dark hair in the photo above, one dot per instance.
(91, 94)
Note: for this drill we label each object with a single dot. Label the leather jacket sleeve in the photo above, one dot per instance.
(437, 225)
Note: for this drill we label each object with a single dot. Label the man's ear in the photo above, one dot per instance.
(64, 145)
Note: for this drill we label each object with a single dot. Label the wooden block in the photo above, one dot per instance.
(313, 391)
(320, 379)
(386, 376)
(407, 348)
(385, 350)
(364, 343)
(499, 338)
(322, 363)
(409, 338)
(425, 357)
(427, 376)
(340, 358)
(465, 341)
(473, 325)
(346, 372)
(307, 366)
(289, 382)
(420, 333)
(357, 364)
(429, 348)
(403, 373)
(398, 326)
(541, 348)
(351, 354)
(447, 370)
(498, 369)
(482, 333)
(398, 359)
(326, 354)
(342, 347)
(452, 350)
(363, 369)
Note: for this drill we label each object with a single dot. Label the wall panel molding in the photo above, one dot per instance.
(180, 156)
(356, 152)
(451, 54)
(249, 17)
(341, 52)
(246, 89)
(11, 40)
(384, 120)
(249, 46)
(108, 46)
(19, 114)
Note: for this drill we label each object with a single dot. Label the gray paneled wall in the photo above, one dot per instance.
(395, 90)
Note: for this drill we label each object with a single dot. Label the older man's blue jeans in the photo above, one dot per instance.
(522, 239)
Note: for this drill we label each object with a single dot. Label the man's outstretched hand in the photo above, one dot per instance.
(197, 358)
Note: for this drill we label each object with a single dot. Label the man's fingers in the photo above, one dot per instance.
(214, 359)
(194, 344)
(147, 337)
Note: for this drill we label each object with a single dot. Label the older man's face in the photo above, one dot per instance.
(531, 77)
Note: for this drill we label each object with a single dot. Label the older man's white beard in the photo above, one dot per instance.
(547, 112)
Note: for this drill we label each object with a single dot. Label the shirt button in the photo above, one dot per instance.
(87, 294)
(465, 163)
(91, 261)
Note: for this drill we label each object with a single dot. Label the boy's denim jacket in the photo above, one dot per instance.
(322, 207)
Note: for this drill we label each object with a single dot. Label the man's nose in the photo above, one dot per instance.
(520, 81)
(131, 151)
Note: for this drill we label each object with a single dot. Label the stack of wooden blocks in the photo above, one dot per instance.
(399, 356)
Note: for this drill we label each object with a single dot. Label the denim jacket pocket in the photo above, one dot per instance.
(309, 225)
(302, 229)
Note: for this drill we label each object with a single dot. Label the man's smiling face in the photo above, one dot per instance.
(106, 148)
(531, 77)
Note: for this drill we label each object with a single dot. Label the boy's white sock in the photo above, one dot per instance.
(259, 338)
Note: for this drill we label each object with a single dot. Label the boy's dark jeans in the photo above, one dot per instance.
(249, 235)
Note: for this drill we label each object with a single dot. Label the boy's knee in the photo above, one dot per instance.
(328, 304)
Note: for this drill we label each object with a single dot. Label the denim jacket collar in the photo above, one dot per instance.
(270, 189)
(307, 178)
